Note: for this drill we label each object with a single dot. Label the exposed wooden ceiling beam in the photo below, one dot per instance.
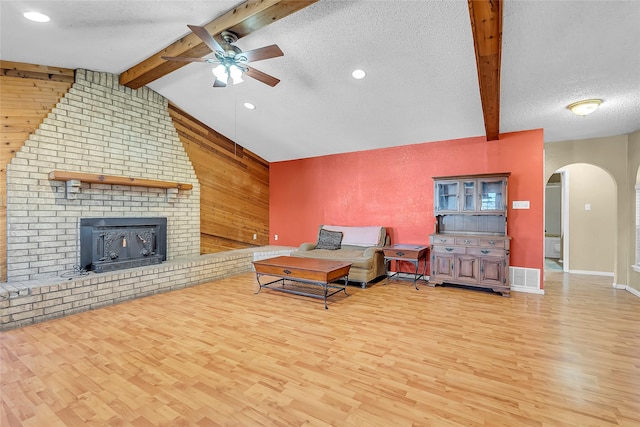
(242, 20)
(486, 25)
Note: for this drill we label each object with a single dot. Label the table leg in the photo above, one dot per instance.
(424, 271)
(260, 285)
(387, 266)
(326, 289)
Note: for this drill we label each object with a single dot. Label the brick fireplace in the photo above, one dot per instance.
(110, 134)
(98, 127)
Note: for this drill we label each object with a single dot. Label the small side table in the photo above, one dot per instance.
(409, 253)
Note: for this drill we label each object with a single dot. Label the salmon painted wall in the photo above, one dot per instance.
(393, 187)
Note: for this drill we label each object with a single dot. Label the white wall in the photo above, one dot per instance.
(592, 219)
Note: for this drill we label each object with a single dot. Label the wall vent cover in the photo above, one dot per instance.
(525, 278)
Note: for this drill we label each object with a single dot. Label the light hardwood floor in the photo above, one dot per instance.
(216, 354)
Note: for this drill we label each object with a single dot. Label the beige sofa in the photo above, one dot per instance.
(361, 246)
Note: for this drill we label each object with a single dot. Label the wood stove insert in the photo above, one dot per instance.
(108, 244)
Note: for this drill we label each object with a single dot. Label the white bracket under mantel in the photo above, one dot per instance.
(73, 188)
(172, 195)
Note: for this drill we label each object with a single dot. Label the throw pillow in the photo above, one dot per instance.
(329, 239)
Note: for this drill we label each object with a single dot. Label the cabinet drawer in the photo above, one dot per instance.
(482, 252)
(445, 249)
(443, 240)
(467, 241)
(492, 243)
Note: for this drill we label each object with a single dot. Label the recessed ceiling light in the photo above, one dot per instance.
(36, 17)
(249, 106)
(586, 107)
(358, 74)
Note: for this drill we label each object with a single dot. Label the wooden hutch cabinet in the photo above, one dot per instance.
(470, 245)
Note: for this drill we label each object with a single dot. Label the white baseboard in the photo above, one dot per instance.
(619, 286)
(592, 273)
(633, 291)
(527, 290)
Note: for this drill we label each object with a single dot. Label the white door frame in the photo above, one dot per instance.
(564, 231)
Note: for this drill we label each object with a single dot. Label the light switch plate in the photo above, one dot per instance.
(520, 204)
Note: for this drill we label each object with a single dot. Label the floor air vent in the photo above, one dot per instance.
(525, 279)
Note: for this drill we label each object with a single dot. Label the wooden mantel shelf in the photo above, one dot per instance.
(116, 180)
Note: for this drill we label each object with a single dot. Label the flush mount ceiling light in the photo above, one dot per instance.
(586, 107)
(36, 17)
(358, 74)
(249, 106)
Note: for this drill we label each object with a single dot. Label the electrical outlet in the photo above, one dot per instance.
(255, 236)
(275, 237)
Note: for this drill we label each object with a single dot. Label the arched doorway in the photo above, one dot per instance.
(588, 210)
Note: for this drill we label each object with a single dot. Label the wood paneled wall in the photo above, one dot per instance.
(234, 187)
(27, 94)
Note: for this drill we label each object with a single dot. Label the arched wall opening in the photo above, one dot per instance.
(589, 219)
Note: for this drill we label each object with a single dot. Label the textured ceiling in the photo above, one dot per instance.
(421, 83)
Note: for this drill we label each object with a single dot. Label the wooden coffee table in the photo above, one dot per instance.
(303, 276)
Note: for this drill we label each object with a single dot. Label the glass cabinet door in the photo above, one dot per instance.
(492, 195)
(447, 196)
(468, 196)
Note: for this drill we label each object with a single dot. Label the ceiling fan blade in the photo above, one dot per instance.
(219, 83)
(183, 59)
(262, 53)
(263, 77)
(206, 38)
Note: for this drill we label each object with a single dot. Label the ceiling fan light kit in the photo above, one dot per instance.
(584, 108)
(230, 59)
(223, 72)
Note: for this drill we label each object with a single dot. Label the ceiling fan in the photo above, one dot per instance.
(232, 62)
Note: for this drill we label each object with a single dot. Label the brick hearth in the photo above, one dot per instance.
(34, 301)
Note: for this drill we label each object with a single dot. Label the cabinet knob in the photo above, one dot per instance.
(448, 249)
(492, 243)
(400, 253)
(443, 240)
(287, 271)
(485, 251)
(466, 242)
